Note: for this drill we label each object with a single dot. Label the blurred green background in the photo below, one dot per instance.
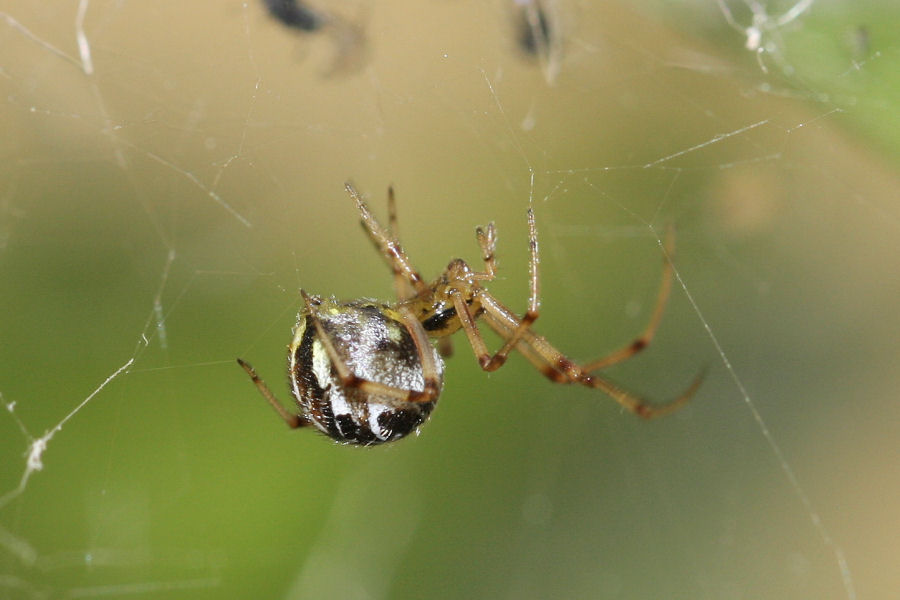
(166, 205)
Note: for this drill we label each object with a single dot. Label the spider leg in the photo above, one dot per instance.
(402, 287)
(487, 239)
(387, 244)
(393, 229)
(431, 387)
(293, 421)
(638, 405)
(646, 336)
(557, 367)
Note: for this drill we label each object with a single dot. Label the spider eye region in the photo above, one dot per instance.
(359, 384)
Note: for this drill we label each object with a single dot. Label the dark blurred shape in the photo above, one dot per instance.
(537, 35)
(349, 55)
(294, 14)
(534, 28)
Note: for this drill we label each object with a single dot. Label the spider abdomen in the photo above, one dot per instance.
(373, 342)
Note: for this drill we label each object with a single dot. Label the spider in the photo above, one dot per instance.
(364, 372)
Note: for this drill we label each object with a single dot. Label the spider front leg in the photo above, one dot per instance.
(387, 244)
(403, 287)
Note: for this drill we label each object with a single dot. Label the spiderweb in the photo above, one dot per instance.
(173, 174)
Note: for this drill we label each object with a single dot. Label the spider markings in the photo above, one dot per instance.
(364, 372)
(372, 340)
